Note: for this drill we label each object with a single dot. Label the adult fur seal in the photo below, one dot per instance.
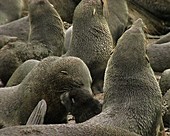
(131, 89)
(158, 8)
(52, 77)
(10, 10)
(125, 107)
(91, 38)
(46, 38)
(155, 14)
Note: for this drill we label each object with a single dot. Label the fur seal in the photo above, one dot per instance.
(100, 125)
(158, 8)
(116, 14)
(155, 14)
(164, 81)
(52, 77)
(10, 10)
(46, 38)
(132, 94)
(114, 121)
(21, 72)
(91, 38)
(65, 130)
(80, 104)
(159, 56)
(17, 28)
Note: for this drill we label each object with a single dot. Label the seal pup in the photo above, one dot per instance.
(91, 38)
(21, 72)
(46, 38)
(52, 77)
(10, 10)
(159, 56)
(80, 104)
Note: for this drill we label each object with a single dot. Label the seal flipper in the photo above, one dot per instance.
(37, 116)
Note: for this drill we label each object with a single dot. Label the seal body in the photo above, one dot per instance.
(10, 10)
(18, 28)
(49, 79)
(164, 81)
(91, 38)
(132, 94)
(21, 72)
(155, 14)
(159, 56)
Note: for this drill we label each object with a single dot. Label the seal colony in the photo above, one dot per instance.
(46, 38)
(48, 80)
(131, 103)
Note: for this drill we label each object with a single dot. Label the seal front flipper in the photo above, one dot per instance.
(37, 116)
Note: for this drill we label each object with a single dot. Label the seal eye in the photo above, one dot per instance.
(64, 72)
